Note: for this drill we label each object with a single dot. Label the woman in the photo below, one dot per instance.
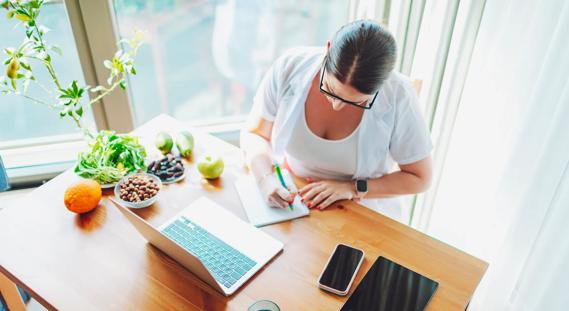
(339, 117)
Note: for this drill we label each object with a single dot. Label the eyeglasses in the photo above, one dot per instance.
(366, 104)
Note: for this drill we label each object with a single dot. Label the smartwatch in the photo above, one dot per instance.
(361, 187)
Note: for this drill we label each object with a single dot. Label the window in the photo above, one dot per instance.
(203, 60)
(201, 63)
(21, 118)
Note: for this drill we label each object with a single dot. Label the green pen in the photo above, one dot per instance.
(280, 175)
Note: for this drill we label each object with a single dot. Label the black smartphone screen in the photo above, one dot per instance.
(389, 286)
(341, 267)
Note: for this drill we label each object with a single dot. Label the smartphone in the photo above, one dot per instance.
(341, 269)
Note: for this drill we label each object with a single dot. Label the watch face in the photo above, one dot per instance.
(361, 185)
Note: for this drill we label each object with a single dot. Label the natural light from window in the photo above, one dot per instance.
(21, 118)
(203, 60)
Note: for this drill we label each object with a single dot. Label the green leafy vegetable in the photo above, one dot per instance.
(111, 157)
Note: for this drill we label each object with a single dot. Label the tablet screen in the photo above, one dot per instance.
(388, 286)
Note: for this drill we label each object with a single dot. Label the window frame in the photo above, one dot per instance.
(96, 36)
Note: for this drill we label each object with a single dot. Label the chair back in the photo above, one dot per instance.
(4, 185)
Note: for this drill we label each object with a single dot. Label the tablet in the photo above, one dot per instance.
(389, 286)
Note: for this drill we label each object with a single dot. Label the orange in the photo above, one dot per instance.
(83, 196)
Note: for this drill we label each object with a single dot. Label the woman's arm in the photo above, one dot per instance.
(410, 179)
(255, 142)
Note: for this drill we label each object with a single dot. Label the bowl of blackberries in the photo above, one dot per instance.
(138, 190)
(170, 169)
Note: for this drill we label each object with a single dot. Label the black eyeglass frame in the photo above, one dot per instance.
(341, 99)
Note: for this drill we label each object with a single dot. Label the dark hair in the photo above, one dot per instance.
(362, 54)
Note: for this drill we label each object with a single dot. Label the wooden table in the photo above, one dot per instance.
(98, 261)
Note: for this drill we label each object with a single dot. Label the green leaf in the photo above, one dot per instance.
(133, 71)
(107, 150)
(64, 93)
(20, 75)
(25, 66)
(10, 14)
(122, 84)
(24, 17)
(36, 4)
(79, 112)
(62, 113)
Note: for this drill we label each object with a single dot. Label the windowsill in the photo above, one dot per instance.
(30, 142)
(31, 163)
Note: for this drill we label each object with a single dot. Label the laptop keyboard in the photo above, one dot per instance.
(226, 264)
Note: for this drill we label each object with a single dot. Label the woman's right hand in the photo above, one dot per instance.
(274, 193)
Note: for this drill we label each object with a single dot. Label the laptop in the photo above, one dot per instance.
(217, 246)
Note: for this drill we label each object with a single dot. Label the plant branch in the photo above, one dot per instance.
(43, 87)
(35, 100)
(52, 106)
(34, 47)
(105, 92)
(47, 63)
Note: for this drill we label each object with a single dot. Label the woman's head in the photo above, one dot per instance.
(360, 55)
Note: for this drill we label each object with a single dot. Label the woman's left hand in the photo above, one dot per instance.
(321, 194)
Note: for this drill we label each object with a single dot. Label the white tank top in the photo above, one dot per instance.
(310, 155)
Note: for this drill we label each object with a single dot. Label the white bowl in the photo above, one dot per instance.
(141, 204)
(108, 186)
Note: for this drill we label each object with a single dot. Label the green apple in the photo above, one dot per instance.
(164, 142)
(210, 166)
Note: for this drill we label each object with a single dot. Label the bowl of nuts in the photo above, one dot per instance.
(138, 190)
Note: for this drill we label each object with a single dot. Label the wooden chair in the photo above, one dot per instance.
(8, 290)
(11, 294)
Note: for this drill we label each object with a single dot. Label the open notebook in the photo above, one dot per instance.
(260, 213)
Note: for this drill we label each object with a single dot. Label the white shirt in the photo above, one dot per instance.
(393, 129)
(310, 155)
